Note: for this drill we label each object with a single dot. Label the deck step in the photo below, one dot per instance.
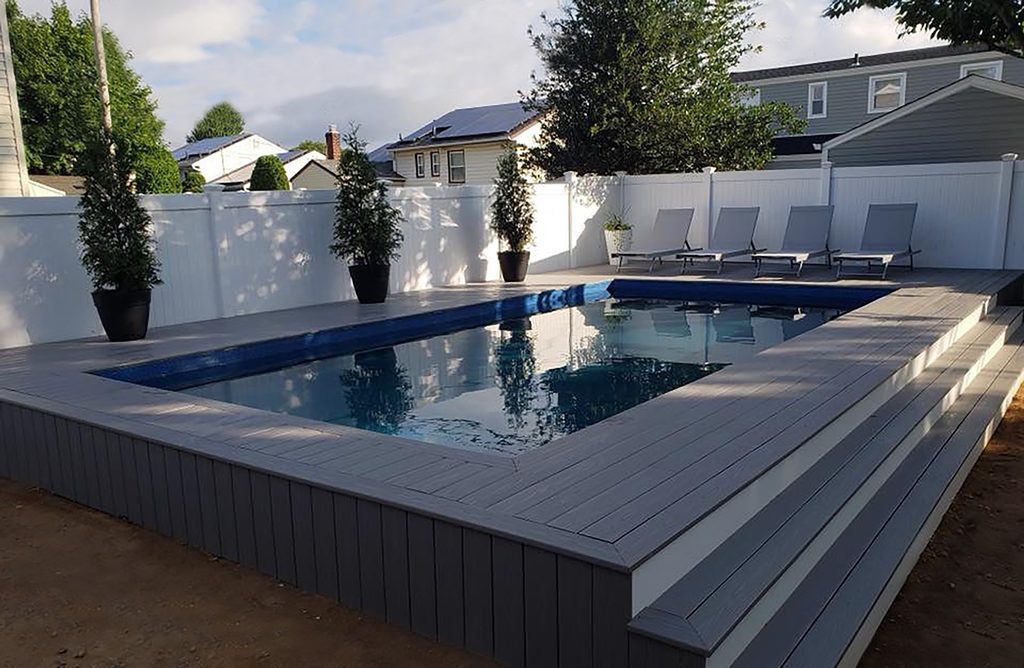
(713, 614)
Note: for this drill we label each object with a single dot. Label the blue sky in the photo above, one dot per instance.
(294, 66)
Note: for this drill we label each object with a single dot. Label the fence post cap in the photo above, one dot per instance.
(709, 170)
(1009, 157)
(826, 164)
(569, 176)
(620, 172)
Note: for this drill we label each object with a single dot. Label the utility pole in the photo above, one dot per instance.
(101, 65)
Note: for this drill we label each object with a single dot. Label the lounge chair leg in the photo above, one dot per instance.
(911, 260)
(885, 269)
(799, 268)
(839, 269)
(619, 268)
(757, 268)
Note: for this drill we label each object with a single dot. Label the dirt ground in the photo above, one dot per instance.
(963, 604)
(78, 588)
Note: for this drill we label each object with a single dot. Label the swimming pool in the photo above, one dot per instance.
(513, 375)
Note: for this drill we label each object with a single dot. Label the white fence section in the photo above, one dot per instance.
(227, 254)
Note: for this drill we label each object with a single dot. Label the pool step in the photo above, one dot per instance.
(775, 591)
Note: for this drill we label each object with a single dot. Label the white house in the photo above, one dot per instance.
(293, 161)
(462, 146)
(217, 156)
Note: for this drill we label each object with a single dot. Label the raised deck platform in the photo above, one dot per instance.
(666, 535)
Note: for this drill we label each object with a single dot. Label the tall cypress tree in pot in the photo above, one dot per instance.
(118, 251)
(512, 216)
(367, 229)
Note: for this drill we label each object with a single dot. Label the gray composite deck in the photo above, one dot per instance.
(521, 558)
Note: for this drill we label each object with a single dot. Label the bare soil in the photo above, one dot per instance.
(963, 604)
(78, 588)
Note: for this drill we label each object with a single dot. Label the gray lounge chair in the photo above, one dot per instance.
(667, 237)
(733, 237)
(887, 238)
(806, 237)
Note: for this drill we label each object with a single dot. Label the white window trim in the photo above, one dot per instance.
(419, 165)
(824, 99)
(463, 167)
(435, 164)
(998, 64)
(902, 76)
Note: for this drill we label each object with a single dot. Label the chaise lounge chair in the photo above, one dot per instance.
(733, 237)
(668, 237)
(806, 237)
(887, 235)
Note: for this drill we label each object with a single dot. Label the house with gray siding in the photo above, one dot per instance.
(838, 96)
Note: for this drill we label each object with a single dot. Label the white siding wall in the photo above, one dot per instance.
(13, 169)
(236, 155)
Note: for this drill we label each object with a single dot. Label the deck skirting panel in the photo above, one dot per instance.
(518, 603)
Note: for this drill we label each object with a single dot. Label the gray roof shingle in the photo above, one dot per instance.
(890, 58)
(206, 146)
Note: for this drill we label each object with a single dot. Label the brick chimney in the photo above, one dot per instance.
(333, 140)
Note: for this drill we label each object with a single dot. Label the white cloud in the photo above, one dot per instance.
(171, 31)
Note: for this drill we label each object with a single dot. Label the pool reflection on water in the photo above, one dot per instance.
(520, 384)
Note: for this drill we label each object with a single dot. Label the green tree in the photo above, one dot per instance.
(220, 120)
(311, 145)
(194, 182)
(60, 110)
(997, 23)
(644, 86)
(156, 171)
(367, 229)
(117, 249)
(269, 174)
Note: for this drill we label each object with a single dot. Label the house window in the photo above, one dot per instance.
(886, 92)
(992, 70)
(456, 166)
(435, 163)
(752, 98)
(817, 100)
(419, 166)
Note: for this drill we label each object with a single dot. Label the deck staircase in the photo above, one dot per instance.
(807, 580)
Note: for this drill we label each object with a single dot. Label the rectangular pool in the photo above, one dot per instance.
(511, 375)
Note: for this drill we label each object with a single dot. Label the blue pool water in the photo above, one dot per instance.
(523, 382)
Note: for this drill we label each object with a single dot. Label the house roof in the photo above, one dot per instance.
(244, 173)
(497, 120)
(69, 185)
(206, 146)
(972, 81)
(890, 58)
(385, 169)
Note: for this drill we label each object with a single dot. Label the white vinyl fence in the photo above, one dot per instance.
(227, 254)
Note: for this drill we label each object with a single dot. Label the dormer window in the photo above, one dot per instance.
(886, 92)
(992, 70)
(817, 100)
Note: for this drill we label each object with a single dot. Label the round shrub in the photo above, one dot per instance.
(193, 183)
(156, 171)
(268, 174)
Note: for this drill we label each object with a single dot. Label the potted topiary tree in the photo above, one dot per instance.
(618, 236)
(118, 251)
(367, 229)
(512, 216)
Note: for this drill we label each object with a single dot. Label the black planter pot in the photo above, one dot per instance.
(513, 265)
(124, 313)
(370, 282)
